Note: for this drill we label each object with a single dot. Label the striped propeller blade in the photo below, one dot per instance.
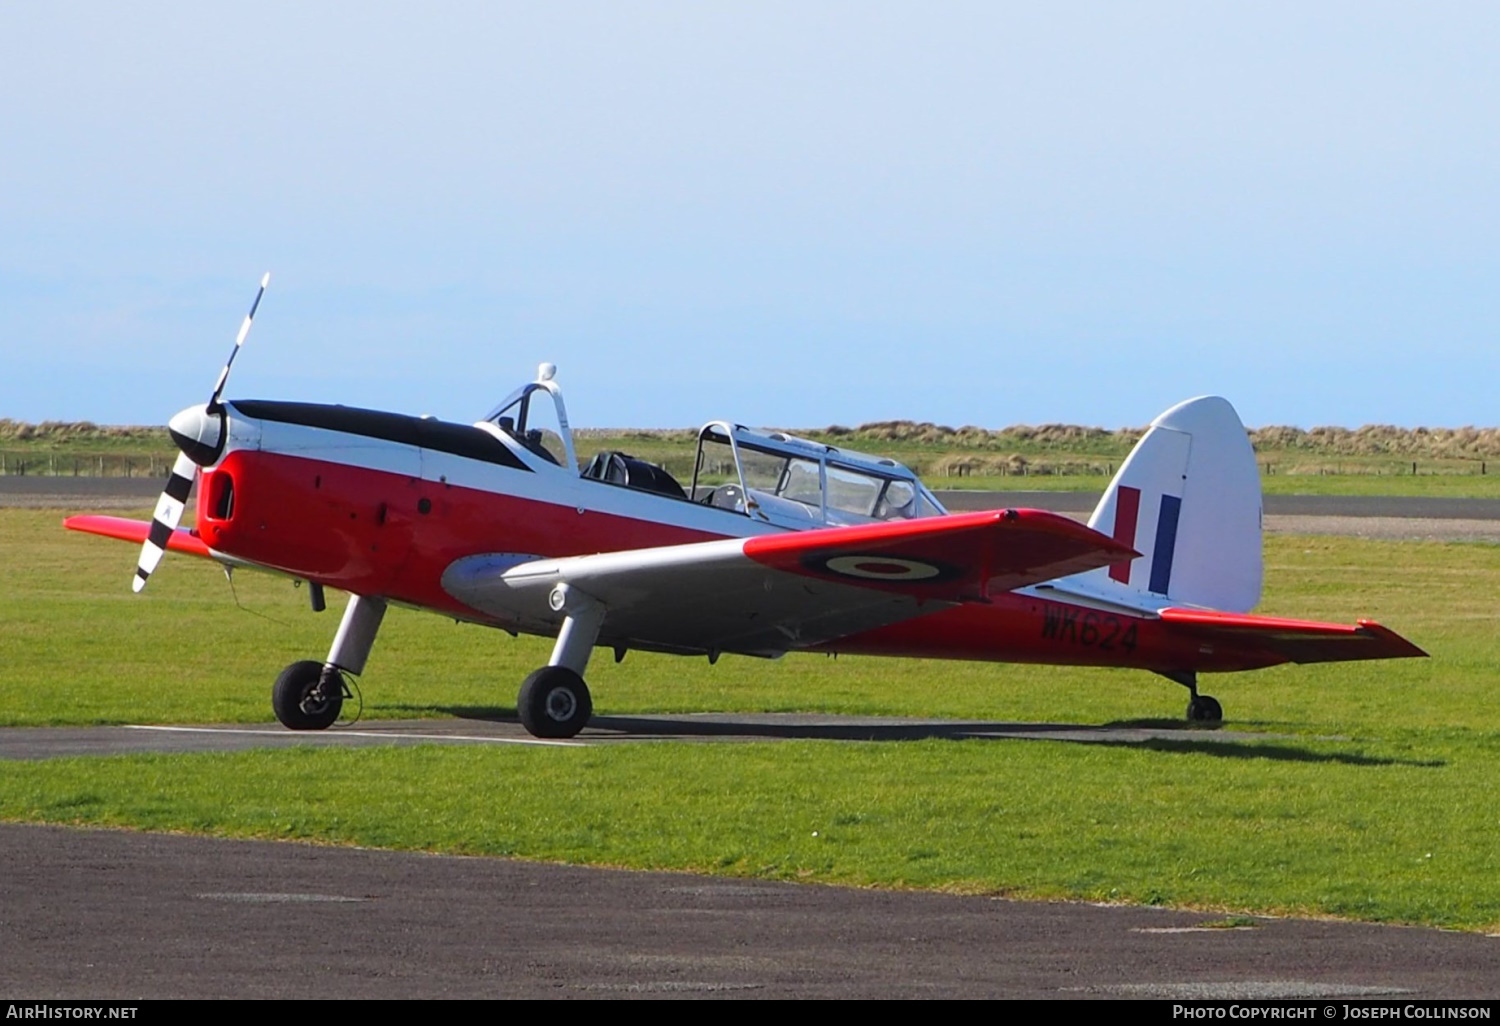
(166, 518)
(239, 341)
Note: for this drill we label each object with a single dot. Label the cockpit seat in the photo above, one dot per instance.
(620, 468)
(533, 441)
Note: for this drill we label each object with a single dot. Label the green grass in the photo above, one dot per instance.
(1367, 795)
(1424, 485)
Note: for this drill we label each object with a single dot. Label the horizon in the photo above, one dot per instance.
(589, 430)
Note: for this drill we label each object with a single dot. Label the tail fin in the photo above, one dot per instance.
(1188, 499)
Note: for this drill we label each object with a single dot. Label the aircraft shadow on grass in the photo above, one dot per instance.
(1226, 749)
(1185, 739)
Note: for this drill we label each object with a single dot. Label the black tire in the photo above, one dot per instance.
(1205, 709)
(293, 700)
(554, 702)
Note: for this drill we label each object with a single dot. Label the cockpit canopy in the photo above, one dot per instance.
(794, 482)
(769, 476)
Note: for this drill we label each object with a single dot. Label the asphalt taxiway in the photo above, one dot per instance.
(119, 915)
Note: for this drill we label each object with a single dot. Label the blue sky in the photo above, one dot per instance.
(780, 213)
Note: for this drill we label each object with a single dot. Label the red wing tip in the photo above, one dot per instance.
(1386, 634)
(136, 532)
(96, 523)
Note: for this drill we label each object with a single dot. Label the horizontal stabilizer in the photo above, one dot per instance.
(137, 531)
(1296, 641)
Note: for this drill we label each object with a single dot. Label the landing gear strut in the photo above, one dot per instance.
(1201, 708)
(309, 695)
(554, 701)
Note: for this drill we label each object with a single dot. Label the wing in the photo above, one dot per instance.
(772, 593)
(137, 531)
(1296, 641)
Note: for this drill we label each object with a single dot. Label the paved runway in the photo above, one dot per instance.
(111, 914)
(1398, 518)
(82, 493)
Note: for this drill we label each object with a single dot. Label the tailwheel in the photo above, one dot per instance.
(554, 703)
(305, 697)
(1205, 709)
(1201, 708)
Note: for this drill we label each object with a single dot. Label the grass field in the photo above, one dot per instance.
(1366, 792)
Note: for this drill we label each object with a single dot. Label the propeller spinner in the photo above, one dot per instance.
(200, 432)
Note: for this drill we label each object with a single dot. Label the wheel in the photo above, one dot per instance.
(297, 705)
(554, 702)
(1205, 709)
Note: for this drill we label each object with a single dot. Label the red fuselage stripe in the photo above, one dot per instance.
(1127, 513)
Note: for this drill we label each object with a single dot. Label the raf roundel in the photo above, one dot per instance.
(882, 568)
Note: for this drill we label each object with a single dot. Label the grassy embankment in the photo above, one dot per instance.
(1365, 792)
(1372, 460)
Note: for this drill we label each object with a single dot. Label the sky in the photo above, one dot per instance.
(793, 214)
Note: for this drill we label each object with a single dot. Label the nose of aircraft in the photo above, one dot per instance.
(198, 433)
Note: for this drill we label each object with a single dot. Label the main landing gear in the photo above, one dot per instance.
(1201, 708)
(554, 701)
(309, 695)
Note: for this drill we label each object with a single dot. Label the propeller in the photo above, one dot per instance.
(239, 340)
(200, 432)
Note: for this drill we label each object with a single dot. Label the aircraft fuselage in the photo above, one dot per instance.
(382, 504)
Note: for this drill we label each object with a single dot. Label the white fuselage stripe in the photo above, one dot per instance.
(545, 483)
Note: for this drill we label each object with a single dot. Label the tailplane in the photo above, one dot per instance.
(1188, 500)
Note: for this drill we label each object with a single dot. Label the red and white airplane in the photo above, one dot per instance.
(778, 544)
